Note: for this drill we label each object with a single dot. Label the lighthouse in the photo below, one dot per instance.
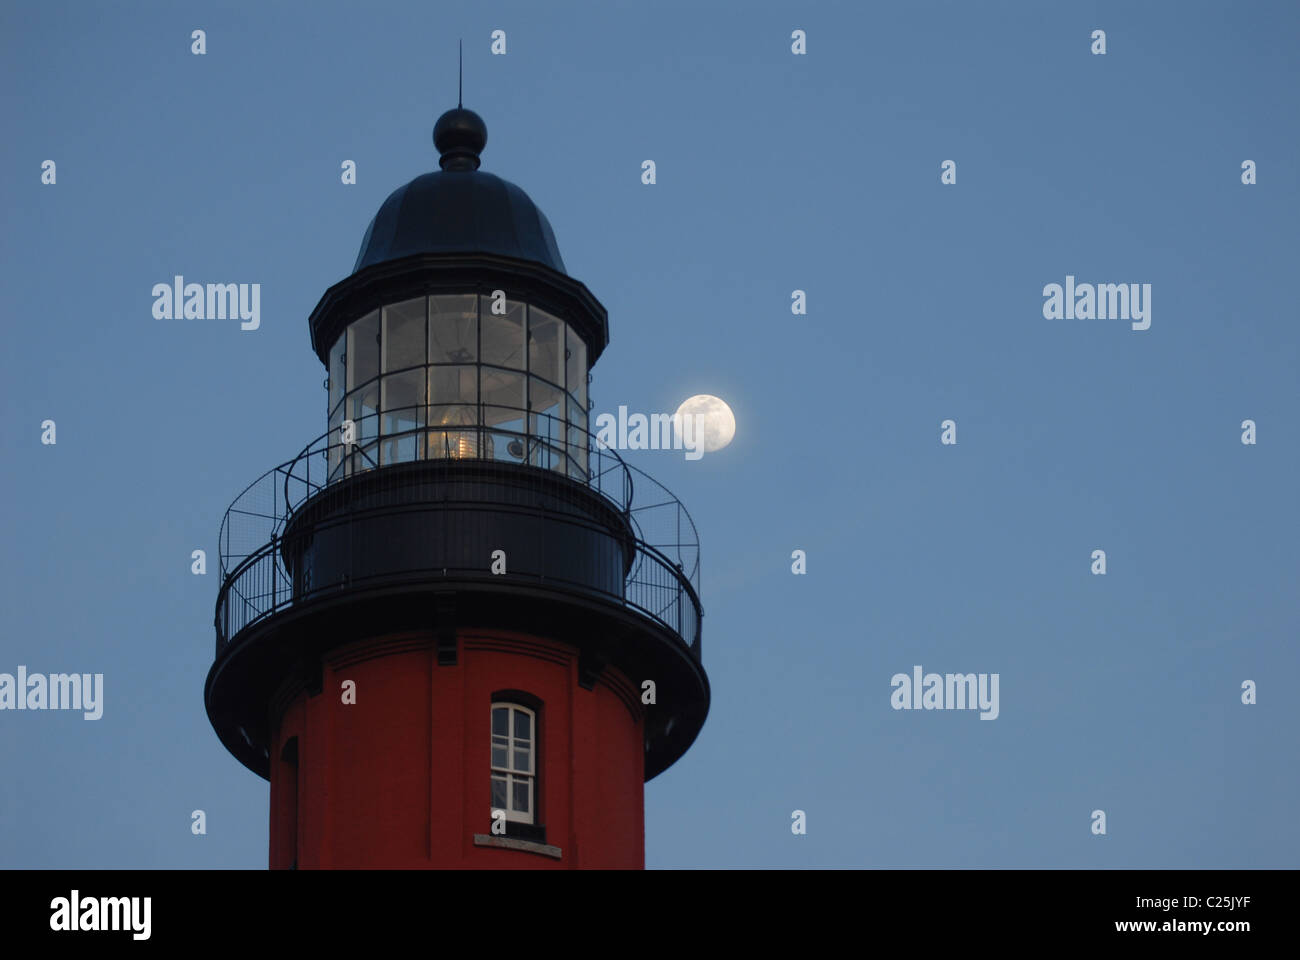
(455, 630)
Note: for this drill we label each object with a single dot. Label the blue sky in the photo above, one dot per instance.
(775, 172)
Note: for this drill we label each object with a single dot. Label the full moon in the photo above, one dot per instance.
(716, 423)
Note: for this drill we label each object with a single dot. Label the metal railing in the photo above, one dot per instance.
(662, 581)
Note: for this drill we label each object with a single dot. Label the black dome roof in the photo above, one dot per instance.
(459, 209)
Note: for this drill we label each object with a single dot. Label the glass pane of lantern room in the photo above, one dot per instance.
(362, 408)
(545, 341)
(577, 452)
(453, 402)
(363, 350)
(454, 433)
(502, 334)
(403, 339)
(403, 415)
(453, 329)
(546, 387)
(546, 424)
(503, 412)
(335, 441)
(575, 353)
(337, 372)
(458, 385)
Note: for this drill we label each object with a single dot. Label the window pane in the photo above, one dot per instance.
(453, 385)
(545, 343)
(503, 413)
(499, 757)
(404, 327)
(335, 441)
(453, 432)
(363, 350)
(401, 449)
(403, 399)
(523, 790)
(362, 408)
(361, 457)
(362, 405)
(338, 373)
(501, 721)
(545, 424)
(504, 389)
(578, 440)
(403, 406)
(545, 404)
(453, 329)
(576, 360)
(498, 793)
(503, 334)
(523, 726)
(523, 761)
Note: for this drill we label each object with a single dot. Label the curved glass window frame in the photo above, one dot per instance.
(504, 422)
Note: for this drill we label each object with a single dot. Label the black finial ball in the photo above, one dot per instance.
(460, 136)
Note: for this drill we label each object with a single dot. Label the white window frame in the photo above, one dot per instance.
(510, 773)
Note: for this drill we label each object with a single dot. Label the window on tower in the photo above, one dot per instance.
(514, 762)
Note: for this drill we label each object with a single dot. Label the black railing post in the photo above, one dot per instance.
(679, 602)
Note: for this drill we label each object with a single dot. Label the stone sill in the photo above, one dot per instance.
(514, 843)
